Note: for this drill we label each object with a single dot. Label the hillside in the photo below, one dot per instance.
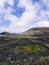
(39, 30)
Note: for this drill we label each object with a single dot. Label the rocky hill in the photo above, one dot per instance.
(40, 30)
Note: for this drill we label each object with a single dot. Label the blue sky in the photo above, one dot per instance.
(20, 15)
(5, 23)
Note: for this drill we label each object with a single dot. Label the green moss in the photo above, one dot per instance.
(27, 48)
(43, 61)
(47, 44)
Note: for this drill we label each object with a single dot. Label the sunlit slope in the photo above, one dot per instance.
(39, 30)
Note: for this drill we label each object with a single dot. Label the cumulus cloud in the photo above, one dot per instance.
(35, 14)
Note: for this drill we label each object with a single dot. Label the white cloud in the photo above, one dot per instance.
(10, 2)
(2, 3)
(42, 24)
(33, 12)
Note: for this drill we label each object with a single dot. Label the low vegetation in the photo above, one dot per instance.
(43, 61)
(47, 45)
(27, 48)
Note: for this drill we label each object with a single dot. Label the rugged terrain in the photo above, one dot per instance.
(28, 48)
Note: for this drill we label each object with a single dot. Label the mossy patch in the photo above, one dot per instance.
(27, 48)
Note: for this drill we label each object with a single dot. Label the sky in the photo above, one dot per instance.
(17, 16)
